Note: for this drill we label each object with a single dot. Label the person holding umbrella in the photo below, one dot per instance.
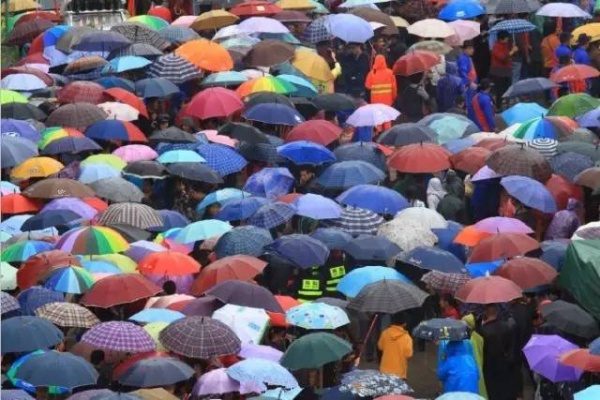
(501, 65)
(581, 55)
(482, 107)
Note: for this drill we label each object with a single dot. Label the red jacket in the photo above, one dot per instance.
(501, 55)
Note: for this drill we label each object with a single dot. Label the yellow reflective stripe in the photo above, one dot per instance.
(382, 86)
(381, 91)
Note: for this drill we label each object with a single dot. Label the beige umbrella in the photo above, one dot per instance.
(431, 28)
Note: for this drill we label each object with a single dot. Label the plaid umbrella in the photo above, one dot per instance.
(137, 49)
(508, 7)
(81, 91)
(444, 282)
(272, 214)
(178, 34)
(221, 158)
(389, 297)
(173, 68)
(316, 31)
(132, 214)
(78, 115)
(570, 164)
(26, 32)
(248, 240)
(263, 152)
(545, 146)
(119, 336)
(67, 315)
(8, 303)
(36, 297)
(139, 33)
(513, 26)
(85, 64)
(520, 160)
(200, 337)
(357, 221)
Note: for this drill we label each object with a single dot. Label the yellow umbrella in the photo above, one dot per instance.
(300, 5)
(125, 264)
(108, 159)
(154, 329)
(10, 96)
(154, 394)
(312, 65)
(18, 6)
(36, 167)
(214, 19)
(592, 30)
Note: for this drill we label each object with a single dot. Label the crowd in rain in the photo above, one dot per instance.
(338, 200)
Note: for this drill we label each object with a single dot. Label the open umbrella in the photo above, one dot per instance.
(542, 352)
(25, 334)
(353, 282)
(378, 199)
(119, 336)
(530, 192)
(67, 315)
(488, 290)
(315, 350)
(346, 174)
(119, 289)
(157, 371)
(570, 318)
(519, 160)
(257, 371)
(239, 267)
(388, 297)
(245, 294)
(302, 250)
(420, 158)
(437, 329)
(249, 240)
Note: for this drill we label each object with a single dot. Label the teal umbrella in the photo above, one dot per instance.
(202, 230)
(314, 350)
(303, 87)
(126, 63)
(227, 78)
(179, 156)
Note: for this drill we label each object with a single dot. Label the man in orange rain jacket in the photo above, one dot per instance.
(381, 82)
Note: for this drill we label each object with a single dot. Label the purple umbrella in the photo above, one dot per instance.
(543, 352)
(485, 173)
(250, 350)
(218, 382)
(590, 119)
(245, 294)
(183, 283)
(15, 127)
(202, 307)
(530, 192)
(143, 248)
(71, 203)
(119, 336)
(502, 225)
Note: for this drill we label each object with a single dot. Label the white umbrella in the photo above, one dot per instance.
(422, 216)
(465, 30)
(120, 111)
(563, 10)
(587, 231)
(431, 28)
(372, 115)
(407, 236)
(22, 82)
(248, 323)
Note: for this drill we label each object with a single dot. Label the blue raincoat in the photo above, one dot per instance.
(457, 368)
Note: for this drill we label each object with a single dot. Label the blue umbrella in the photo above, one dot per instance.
(156, 371)
(171, 219)
(222, 159)
(371, 248)
(150, 315)
(115, 396)
(303, 87)
(15, 394)
(352, 283)
(484, 268)
(595, 347)
(25, 334)
(554, 252)
(274, 114)
(50, 218)
(227, 78)
(361, 151)
(570, 164)
(459, 396)
(105, 41)
(317, 207)
(18, 128)
(176, 156)
(590, 393)
(457, 145)
(271, 215)
(434, 259)
(333, 238)
(590, 119)
(408, 133)
(71, 144)
(345, 174)
(249, 240)
(155, 87)
(378, 199)
(513, 26)
(522, 112)
(306, 153)
(89, 173)
(302, 250)
(240, 209)
(526, 87)
(116, 82)
(178, 34)
(530, 192)
(202, 230)
(349, 28)
(461, 9)
(126, 63)
(34, 297)
(100, 267)
(221, 197)
(446, 240)
(15, 150)
(13, 224)
(270, 183)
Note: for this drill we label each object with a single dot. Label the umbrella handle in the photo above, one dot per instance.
(369, 332)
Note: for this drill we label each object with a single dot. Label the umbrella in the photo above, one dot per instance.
(117, 189)
(527, 86)
(470, 160)
(21, 251)
(260, 371)
(565, 10)
(275, 114)
(530, 192)
(222, 159)
(23, 129)
(432, 258)
(431, 28)
(80, 91)
(316, 316)
(79, 115)
(202, 230)
(178, 34)
(104, 41)
(573, 105)
(158, 371)
(420, 158)
(248, 323)
(333, 238)
(581, 359)
(437, 329)
(588, 394)
(489, 290)
(36, 167)
(378, 199)
(370, 383)
(9, 303)
(316, 207)
(92, 240)
(206, 55)
(119, 336)
(335, 102)
(242, 209)
(527, 272)
(575, 72)
(542, 352)
(239, 267)
(302, 250)
(270, 182)
(194, 171)
(370, 248)
(346, 174)
(8, 276)
(405, 134)
(372, 115)
(119, 289)
(357, 221)
(415, 62)
(361, 151)
(349, 28)
(249, 240)
(461, 9)
(570, 318)
(513, 26)
(519, 160)
(139, 33)
(315, 350)
(306, 153)
(155, 87)
(135, 152)
(590, 119)
(200, 337)
(538, 128)
(16, 203)
(21, 111)
(25, 334)
(353, 282)
(570, 164)
(493, 225)
(268, 53)
(523, 112)
(75, 280)
(214, 102)
(245, 294)
(67, 315)
(16, 150)
(169, 263)
(388, 297)
(218, 382)
(131, 214)
(502, 245)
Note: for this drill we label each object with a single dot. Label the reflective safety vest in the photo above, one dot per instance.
(310, 290)
(335, 274)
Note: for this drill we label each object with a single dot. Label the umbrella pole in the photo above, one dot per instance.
(369, 332)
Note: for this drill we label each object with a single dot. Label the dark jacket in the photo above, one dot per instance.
(354, 73)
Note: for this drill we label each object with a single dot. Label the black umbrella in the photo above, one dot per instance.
(388, 297)
(157, 371)
(266, 97)
(139, 33)
(371, 248)
(49, 219)
(70, 37)
(307, 108)
(571, 319)
(25, 32)
(145, 170)
(243, 132)
(405, 134)
(441, 329)
(195, 172)
(263, 152)
(528, 86)
(21, 111)
(335, 102)
(173, 135)
(131, 233)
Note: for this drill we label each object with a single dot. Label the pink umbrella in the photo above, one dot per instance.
(502, 225)
(465, 30)
(184, 20)
(214, 137)
(135, 152)
(250, 350)
(218, 382)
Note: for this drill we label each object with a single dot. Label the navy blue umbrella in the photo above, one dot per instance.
(249, 240)
(238, 210)
(158, 371)
(345, 174)
(306, 153)
(25, 334)
(570, 164)
(271, 215)
(446, 240)
(554, 252)
(35, 297)
(372, 248)
(105, 41)
(333, 238)
(378, 199)
(595, 347)
(71, 144)
(274, 114)
(155, 87)
(263, 152)
(221, 158)
(116, 82)
(361, 151)
(405, 134)
(302, 250)
(194, 171)
(171, 219)
(49, 219)
(441, 329)
(434, 259)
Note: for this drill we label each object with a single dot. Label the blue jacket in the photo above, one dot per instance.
(466, 69)
(457, 368)
(483, 112)
(448, 87)
(562, 50)
(581, 56)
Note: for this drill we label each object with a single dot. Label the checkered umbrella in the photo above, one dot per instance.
(77, 115)
(545, 146)
(443, 282)
(513, 26)
(317, 31)
(132, 214)
(248, 240)
(357, 221)
(67, 315)
(178, 34)
(119, 336)
(200, 337)
(137, 49)
(272, 214)
(174, 68)
(81, 91)
(221, 158)
(389, 297)
(263, 152)
(139, 33)
(570, 164)
(520, 160)
(8, 303)
(27, 31)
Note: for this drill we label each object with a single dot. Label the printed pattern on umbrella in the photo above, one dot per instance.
(139, 33)
(369, 383)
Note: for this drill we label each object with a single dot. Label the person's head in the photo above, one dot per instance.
(212, 210)
(152, 104)
(399, 319)
(447, 301)
(196, 192)
(564, 60)
(306, 175)
(491, 310)
(354, 48)
(147, 186)
(485, 85)
(459, 101)
(412, 193)
(188, 125)
(163, 121)
(583, 40)
(565, 37)
(468, 47)
(379, 43)
(97, 357)
(503, 36)
(169, 287)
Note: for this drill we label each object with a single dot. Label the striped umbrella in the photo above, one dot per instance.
(174, 68)
(545, 146)
(132, 214)
(137, 49)
(445, 282)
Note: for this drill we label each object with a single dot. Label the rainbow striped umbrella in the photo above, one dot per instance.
(92, 240)
(71, 279)
(125, 264)
(55, 132)
(150, 21)
(544, 127)
(21, 251)
(266, 84)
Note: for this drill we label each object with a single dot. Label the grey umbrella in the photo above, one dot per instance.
(15, 150)
(69, 38)
(132, 214)
(585, 149)
(404, 134)
(388, 297)
(117, 190)
(157, 371)
(570, 318)
(139, 33)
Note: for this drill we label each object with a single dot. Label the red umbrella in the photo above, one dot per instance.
(492, 144)
(420, 158)
(488, 290)
(415, 62)
(574, 72)
(119, 289)
(239, 267)
(30, 16)
(40, 264)
(170, 263)
(213, 103)
(562, 190)
(96, 203)
(129, 98)
(289, 198)
(503, 245)
(255, 9)
(128, 363)
(26, 32)
(16, 203)
(317, 131)
(81, 91)
(470, 160)
(527, 272)
(582, 359)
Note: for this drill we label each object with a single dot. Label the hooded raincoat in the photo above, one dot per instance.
(457, 368)
(381, 81)
(397, 347)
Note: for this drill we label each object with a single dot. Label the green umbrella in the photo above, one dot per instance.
(573, 105)
(315, 350)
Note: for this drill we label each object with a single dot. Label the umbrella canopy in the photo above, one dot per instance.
(119, 289)
(316, 316)
(542, 351)
(257, 371)
(437, 329)
(570, 318)
(488, 290)
(169, 263)
(67, 315)
(271, 215)
(378, 199)
(433, 258)
(353, 282)
(315, 350)
(388, 297)
(119, 336)
(159, 371)
(527, 272)
(345, 174)
(530, 192)
(25, 334)
(245, 294)
(132, 214)
(240, 267)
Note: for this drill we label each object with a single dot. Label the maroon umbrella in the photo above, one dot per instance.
(119, 289)
(202, 307)
(245, 294)
(527, 272)
(79, 91)
(488, 290)
(502, 245)
(26, 32)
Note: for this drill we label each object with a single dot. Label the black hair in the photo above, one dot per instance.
(564, 60)
(398, 319)
(412, 192)
(169, 287)
(468, 43)
(459, 99)
(485, 84)
(565, 37)
(503, 35)
(96, 357)
(448, 298)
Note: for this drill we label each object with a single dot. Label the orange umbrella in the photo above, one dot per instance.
(36, 167)
(287, 302)
(169, 263)
(206, 55)
(129, 98)
(470, 236)
(16, 203)
(289, 198)
(96, 203)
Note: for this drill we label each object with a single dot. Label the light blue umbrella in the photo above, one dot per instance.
(349, 28)
(13, 224)
(359, 3)
(352, 283)
(227, 78)
(459, 396)
(303, 152)
(150, 315)
(479, 269)
(258, 371)
(448, 129)
(100, 267)
(178, 156)
(93, 172)
(317, 316)
(522, 112)
(239, 210)
(458, 145)
(303, 87)
(270, 182)
(126, 63)
(9, 188)
(178, 34)
(271, 215)
(4, 236)
(317, 207)
(202, 230)
(246, 41)
(222, 197)
(590, 393)
(513, 26)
